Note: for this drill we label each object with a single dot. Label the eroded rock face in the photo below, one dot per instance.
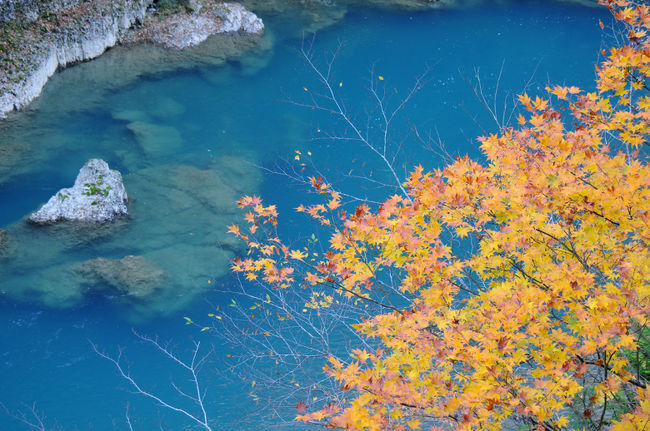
(90, 28)
(132, 275)
(238, 18)
(98, 195)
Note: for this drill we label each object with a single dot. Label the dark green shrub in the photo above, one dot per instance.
(166, 6)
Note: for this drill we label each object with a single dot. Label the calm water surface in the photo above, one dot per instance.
(188, 142)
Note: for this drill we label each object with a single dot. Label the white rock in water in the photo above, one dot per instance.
(98, 195)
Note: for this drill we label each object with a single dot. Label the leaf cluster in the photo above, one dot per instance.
(543, 318)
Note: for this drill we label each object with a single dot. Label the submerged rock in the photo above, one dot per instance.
(98, 195)
(15, 158)
(5, 244)
(150, 106)
(156, 140)
(51, 287)
(132, 275)
(130, 115)
(175, 241)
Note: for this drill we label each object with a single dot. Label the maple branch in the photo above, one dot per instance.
(336, 285)
(366, 262)
(547, 426)
(480, 94)
(596, 213)
(492, 107)
(440, 149)
(463, 288)
(571, 251)
(600, 363)
(288, 170)
(520, 268)
(282, 346)
(479, 285)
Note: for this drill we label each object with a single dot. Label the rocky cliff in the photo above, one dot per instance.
(57, 38)
(38, 37)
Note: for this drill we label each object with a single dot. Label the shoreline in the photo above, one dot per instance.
(32, 51)
(38, 38)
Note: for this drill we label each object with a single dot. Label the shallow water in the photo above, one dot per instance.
(188, 138)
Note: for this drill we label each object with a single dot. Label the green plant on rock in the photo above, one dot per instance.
(95, 189)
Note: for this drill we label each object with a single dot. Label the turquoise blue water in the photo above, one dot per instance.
(189, 139)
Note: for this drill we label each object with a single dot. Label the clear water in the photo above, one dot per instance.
(188, 134)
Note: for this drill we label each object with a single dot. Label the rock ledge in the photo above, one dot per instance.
(184, 29)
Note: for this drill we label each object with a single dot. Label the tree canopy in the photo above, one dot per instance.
(522, 282)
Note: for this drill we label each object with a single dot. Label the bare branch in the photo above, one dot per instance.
(33, 419)
(331, 102)
(193, 367)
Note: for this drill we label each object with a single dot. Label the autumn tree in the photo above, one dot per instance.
(513, 291)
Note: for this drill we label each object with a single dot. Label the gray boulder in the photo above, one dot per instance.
(98, 195)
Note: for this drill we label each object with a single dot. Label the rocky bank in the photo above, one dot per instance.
(39, 37)
(189, 28)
